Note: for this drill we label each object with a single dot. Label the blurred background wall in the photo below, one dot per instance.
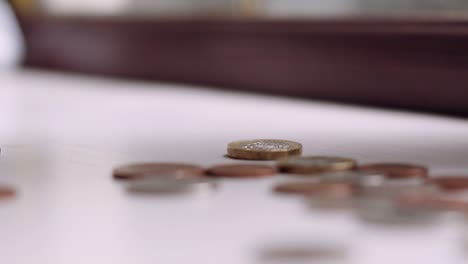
(11, 48)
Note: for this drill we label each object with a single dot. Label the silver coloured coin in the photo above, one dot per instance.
(353, 177)
(170, 185)
(386, 210)
(370, 180)
(380, 204)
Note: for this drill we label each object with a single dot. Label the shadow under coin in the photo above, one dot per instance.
(302, 254)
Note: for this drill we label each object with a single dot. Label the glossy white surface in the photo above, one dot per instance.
(61, 136)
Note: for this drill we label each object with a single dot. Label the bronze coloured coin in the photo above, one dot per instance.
(242, 170)
(145, 170)
(6, 192)
(396, 170)
(263, 149)
(316, 164)
(451, 183)
(311, 188)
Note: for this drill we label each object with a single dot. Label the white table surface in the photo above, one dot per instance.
(61, 136)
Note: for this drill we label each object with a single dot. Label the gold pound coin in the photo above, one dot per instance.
(263, 149)
(316, 164)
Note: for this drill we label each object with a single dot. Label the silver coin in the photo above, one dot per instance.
(391, 190)
(370, 180)
(354, 177)
(170, 185)
(387, 211)
(381, 205)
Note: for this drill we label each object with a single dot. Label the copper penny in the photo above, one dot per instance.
(6, 192)
(144, 170)
(451, 183)
(396, 170)
(242, 170)
(311, 188)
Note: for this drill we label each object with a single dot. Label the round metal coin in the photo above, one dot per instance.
(144, 170)
(263, 149)
(451, 183)
(6, 192)
(396, 170)
(316, 164)
(242, 170)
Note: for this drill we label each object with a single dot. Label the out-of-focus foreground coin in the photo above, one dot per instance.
(143, 170)
(6, 192)
(316, 164)
(396, 170)
(169, 185)
(384, 204)
(310, 189)
(242, 170)
(263, 149)
(352, 176)
(451, 183)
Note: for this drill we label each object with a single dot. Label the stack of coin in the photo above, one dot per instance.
(163, 178)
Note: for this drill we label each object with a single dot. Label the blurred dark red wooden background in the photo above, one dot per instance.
(416, 64)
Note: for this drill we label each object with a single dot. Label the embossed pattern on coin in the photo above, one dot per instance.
(263, 149)
(144, 170)
(316, 164)
(396, 170)
(242, 170)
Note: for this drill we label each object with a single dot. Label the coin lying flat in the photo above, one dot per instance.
(316, 164)
(6, 192)
(396, 170)
(263, 149)
(351, 176)
(451, 183)
(170, 185)
(143, 170)
(311, 188)
(242, 170)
